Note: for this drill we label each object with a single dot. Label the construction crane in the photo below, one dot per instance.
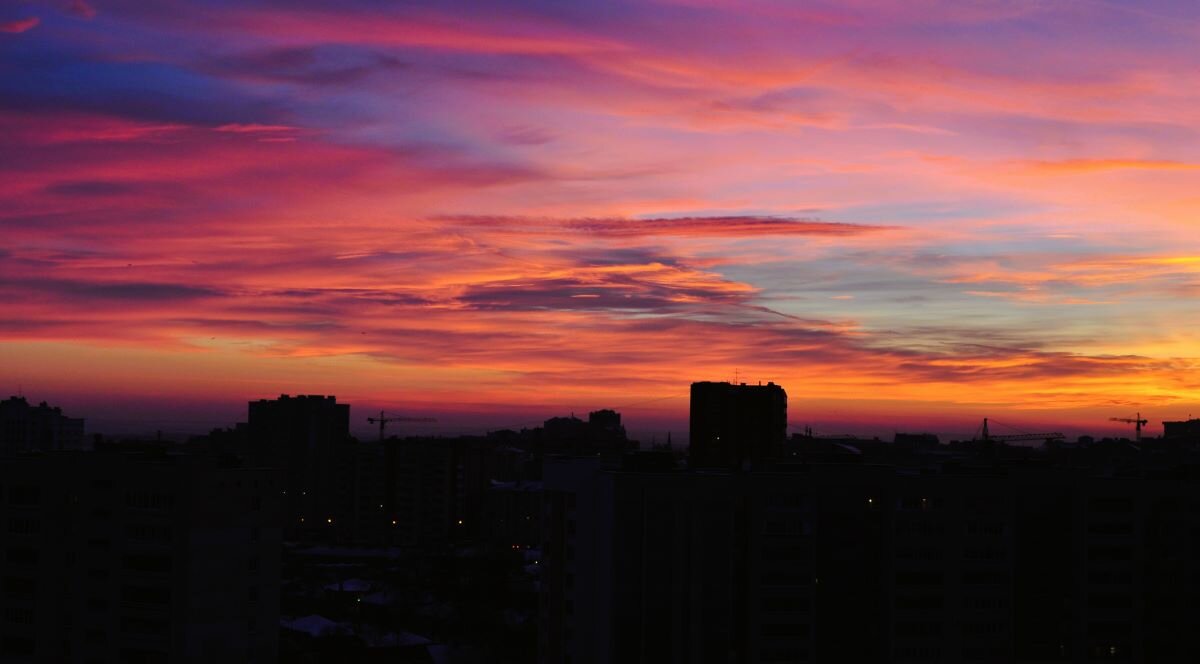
(1012, 437)
(1137, 423)
(383, 420)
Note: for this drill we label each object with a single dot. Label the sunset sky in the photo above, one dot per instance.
(911, 214)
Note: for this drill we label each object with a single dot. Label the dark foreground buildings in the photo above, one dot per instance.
(40, 428)
(872, 552)
(285, 539)
(138, 556)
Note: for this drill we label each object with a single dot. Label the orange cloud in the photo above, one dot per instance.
(514, 207)
(1074, 166)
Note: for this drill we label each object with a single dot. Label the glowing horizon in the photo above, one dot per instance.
(899, 211)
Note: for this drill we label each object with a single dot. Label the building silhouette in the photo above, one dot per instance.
(736, 426)
(308, 436)
(1186, 430)
(26, 428)
(758, 548)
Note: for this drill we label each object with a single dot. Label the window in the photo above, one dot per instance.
(1111, 553)
(149, 501)
(985, 577)
(1110, 601)
(985, 528)
(786, 604)
(145, 595)
(142, 625)
(918, 629)
(985, 602)
(139, 656)
(19, 586)
(147, 563)
(983, 553)
(22, 556)
(148, 532)
(1115, 529)
(1101, 577)
(775, 631)
(1111, 504)
(983, 629)
(18, 615)
(918, 578)
(18, 526)
(919, 602)
(1106, 629)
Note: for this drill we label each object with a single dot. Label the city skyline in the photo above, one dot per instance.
(154, 420)
(911, 215)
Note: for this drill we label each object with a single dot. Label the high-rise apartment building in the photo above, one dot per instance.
(736, 426)
(308, 436)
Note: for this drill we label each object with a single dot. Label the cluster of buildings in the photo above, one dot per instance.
(415, 491)
(284, 537)
(25, 428)
(146, 551)
(764, 547)
(122, 556)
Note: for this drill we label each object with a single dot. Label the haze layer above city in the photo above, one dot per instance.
(911, 214)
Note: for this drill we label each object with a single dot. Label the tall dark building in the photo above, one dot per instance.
(307, 436)
(1187, 430)
(736, 426)
(607, 421)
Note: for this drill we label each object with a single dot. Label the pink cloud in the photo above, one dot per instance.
(20, 25)
(715, 226)
(833, 199)
(82, 9)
